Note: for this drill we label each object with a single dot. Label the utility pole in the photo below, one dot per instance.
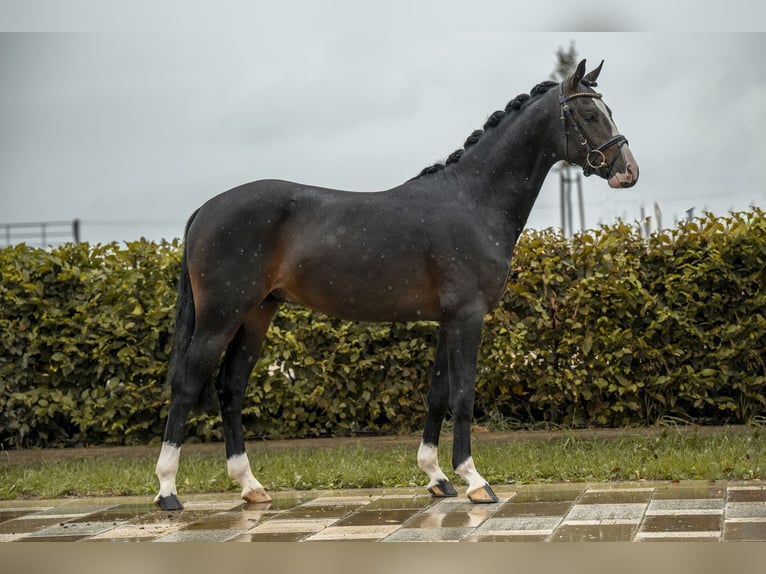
(569, 177)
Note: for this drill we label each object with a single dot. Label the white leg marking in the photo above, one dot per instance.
(238, 467)
(428, 461)
(167, 468)
(467, 471)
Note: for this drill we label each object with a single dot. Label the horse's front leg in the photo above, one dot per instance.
(438, 404)
(462, 339)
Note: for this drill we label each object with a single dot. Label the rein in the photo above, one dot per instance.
(595, 158)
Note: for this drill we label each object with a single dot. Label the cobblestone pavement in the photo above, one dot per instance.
(641, 512)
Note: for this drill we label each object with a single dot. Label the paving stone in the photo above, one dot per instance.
(369, 533)
(401, 502)
(682, 523)
(27, 524)
(6, 515)
(519, 525)
(686, 490)
(341, 501)
(117, 513)
(372, 517)
(137, 532)
(280, 501)
(746, 494)
(744, 531)
(457, 505)
(746, 510)
(533, 509)
(74, 538)
(631, 512)
(613, 496)
(200, 536)
(428, 535)
(710, 536)
(227, 521)
(686, 506)
(69, 529)
(450, 519)
(296, 525)
(566, 493)
(271, 537)
(516, 537)
(594, 533)
(319, 511)
(211, 505)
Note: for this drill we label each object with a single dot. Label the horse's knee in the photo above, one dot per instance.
(462, 406)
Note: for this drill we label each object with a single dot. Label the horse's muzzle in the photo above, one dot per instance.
(629, 176)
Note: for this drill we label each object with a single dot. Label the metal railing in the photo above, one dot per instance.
(44, 233)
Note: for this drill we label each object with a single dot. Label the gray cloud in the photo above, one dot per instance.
(144, 126)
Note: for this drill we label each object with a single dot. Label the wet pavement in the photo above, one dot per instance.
(641, 512)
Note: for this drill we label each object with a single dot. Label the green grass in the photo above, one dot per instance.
(667, 454)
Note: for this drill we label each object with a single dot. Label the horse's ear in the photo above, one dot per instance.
(572, 83)
(592, 76)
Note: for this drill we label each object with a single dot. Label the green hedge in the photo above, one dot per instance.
(606, 329)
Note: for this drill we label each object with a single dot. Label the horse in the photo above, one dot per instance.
(435, 248)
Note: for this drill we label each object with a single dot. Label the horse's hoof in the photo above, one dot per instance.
(168, 502)
(442, 489)
(482, 495)
(256, 496)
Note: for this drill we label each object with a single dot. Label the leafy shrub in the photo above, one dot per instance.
(606, 329)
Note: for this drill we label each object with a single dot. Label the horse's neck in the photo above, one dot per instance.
(504, 171)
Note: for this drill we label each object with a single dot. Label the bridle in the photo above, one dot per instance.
(595, 158)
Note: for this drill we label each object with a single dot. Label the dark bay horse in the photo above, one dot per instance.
(437, 248)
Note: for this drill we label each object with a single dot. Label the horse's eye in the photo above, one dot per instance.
(588, 116)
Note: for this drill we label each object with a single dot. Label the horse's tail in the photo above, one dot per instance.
(184, 330)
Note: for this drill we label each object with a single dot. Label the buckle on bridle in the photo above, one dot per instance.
(599, 163)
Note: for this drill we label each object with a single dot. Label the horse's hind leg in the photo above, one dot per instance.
(240, 358)
(438, 403)
(195, 371)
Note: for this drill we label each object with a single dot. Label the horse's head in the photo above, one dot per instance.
(591, 139)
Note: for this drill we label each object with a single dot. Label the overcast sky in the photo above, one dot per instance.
(135, 117)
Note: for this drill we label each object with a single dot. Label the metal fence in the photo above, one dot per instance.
(41, 233)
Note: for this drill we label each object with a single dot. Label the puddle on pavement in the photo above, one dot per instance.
(227, 521)
(27, 525)
(13, 514)
(449, 519)
(53, 538)
(377, 517)
(167, 517)
(119, 513)
(279, 502)
(271, 537)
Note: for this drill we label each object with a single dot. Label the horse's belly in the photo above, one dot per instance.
(364, 293)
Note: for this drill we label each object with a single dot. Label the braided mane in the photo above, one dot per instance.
(516, 104)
